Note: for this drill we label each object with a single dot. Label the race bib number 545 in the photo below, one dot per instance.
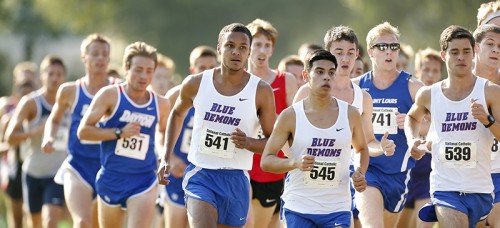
(324, 174)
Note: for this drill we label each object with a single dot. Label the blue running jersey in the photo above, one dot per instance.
(135, 154)
(396, 98)
(183, 143)
(83, 148)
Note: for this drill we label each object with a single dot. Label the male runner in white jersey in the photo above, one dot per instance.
(230, 104)
(487, 64)
(463, 108)
(317, 187)
(41, 195)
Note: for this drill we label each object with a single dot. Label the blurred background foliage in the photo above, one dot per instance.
(175, 27)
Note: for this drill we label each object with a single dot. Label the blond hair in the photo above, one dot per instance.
(201, 51)
(485, 10)
(259, 26)
(90, 39)
(165, 61)
(381, 29)
(138, 49)
(427, 53)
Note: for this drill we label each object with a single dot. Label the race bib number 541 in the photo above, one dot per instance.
(217, 143)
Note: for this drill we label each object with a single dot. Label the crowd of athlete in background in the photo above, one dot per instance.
(323, 140)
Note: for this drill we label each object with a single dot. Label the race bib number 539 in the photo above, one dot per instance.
(460, 154)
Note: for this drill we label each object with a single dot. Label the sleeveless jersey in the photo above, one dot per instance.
(396, 98)
(216, 116)
(495, 160)
(181, 148)
(325, 189)
(279, 89)
(358, 98)
(357, 103)
(82, 148)
(39, 164)
(461, 145)
(134, 154)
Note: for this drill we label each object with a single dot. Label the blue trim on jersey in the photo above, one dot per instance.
(398, 90)
(82, 102)
(126, 112)
(181, 148)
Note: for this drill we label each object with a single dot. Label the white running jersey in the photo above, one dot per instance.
(325, 189)
(495, 159)
(216, 116)
(37, 163)
(461, 145)
(358, 98)
(357, 103)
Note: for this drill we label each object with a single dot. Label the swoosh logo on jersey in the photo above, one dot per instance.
(339, 129)
(243, 99)
(337, 224)
(275, 89)
(270, 200)
(149, 108)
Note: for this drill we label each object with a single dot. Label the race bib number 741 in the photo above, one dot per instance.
(384, 120)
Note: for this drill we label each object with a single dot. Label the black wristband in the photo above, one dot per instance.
(492, 121)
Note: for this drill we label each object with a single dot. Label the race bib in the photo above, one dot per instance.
(384, 120)
(324, 174)
(453, 154)
(186, 140)
(134, 147)
(494, 149)
(260, 133)
(217, 143)
(61, 139)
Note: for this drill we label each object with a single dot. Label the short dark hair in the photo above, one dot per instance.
(481, 31)
(318, 54)
(50, 60)
(235, 27)
(340, 33)
(455, 32)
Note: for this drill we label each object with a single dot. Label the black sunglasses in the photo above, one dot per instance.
(384, 46)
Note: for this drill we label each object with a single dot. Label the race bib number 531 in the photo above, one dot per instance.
(134, 147)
